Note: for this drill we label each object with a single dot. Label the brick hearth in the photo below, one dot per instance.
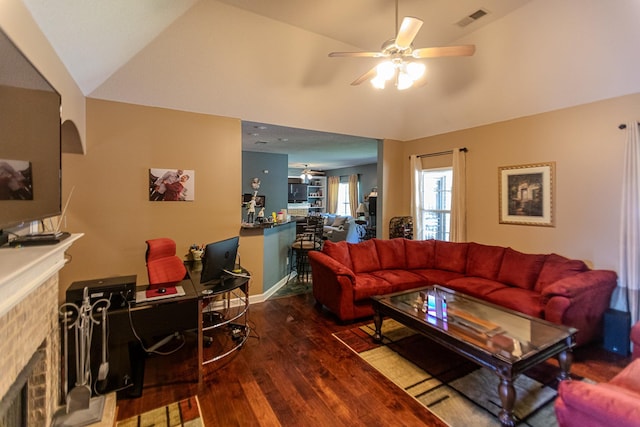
(29, 324)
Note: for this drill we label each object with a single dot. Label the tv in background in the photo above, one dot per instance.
(30, 133)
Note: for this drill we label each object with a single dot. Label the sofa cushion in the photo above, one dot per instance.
(475, 286)
(419, 253)
(364, 256)
(391, 253)
(328, 219)
(401, 279)
(339, 221)
(338, 251)
(436, 277)
(523, 300)
(484, 261)
(368, 285)
(451, 256)
(519, 269)
(557, 267)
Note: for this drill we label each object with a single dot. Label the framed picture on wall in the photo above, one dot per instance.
(527, 194)
(171, 185)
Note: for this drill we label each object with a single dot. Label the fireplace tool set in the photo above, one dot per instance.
(80, 408)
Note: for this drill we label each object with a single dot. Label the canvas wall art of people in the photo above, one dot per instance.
(171, 185)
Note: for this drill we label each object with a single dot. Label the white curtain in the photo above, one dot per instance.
(629, 277)
(416, 195)
(353, 194)
(333, 184)
(458, 231)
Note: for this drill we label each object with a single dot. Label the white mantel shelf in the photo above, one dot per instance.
(23, 269)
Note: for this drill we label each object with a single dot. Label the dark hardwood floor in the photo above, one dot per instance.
(293, 372)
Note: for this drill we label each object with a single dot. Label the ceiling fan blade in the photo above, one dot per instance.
(434, 52)
(366, 76)
(408, 31)
(357, 54)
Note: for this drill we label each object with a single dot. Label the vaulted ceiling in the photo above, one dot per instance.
(266, 61)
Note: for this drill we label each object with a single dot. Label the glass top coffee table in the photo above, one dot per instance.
(505, 341)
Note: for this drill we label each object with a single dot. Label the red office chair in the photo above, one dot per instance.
(163, 265)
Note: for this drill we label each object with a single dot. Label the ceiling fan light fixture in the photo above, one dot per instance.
(306, 174)
(415, 70)
(404, 81)
(378, 82)
(385, 70)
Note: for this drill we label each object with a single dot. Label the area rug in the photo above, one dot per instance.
(458, 391)
(184, 413)
(294, 286)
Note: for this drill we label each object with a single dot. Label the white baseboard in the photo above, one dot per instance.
(259, 298)
(255, 299)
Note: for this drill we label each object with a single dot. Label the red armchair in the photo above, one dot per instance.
(615, 403)
(635, 339)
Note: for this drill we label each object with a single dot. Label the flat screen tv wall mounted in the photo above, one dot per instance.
(30, 142)
(297, 193)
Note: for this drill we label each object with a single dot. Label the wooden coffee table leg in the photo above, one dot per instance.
(377, 321)
(507, 394)
(565, 359)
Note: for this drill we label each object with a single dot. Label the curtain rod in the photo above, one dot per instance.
(624, 126)
(442, 153)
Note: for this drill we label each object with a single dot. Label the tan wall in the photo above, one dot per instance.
(391, 191)
(110, 201)
(586, 145)
(16, 21)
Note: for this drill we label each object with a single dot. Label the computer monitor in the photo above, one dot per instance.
(217, 257)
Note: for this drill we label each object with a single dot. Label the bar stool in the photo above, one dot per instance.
(309, 240)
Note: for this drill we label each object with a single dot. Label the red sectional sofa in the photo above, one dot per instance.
(552, 287)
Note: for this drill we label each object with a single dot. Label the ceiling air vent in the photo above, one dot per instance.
(260, 142)
(472, 17)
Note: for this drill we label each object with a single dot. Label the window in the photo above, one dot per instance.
(436, 202)
(343, 199)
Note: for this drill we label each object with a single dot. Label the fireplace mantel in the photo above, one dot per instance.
(23, 269)
(29, 323)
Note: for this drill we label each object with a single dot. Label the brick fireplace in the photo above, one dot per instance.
(29, 331)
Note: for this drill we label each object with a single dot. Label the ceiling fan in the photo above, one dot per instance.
(399, 56)
(308, 173)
